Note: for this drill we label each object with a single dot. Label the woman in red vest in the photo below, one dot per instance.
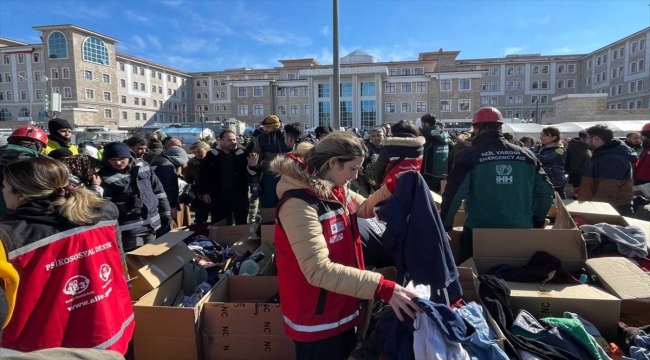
(62, 241)
(321, 274)
(642, 169)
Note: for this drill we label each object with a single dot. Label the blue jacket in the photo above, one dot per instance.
(416, 238)
(552, 159)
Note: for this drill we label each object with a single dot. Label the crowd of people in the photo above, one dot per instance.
(62, 206)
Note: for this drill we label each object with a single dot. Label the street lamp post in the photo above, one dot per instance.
(336, 67)
(536, 101)
(30, 82)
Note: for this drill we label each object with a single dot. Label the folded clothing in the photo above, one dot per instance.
(630, 240)
(539, 268)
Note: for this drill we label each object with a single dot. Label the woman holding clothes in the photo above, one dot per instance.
(551, 154)
(321, 274)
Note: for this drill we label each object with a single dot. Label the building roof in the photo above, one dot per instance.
(9, 42)
(119, 55)
(77, 28)
(616, 42)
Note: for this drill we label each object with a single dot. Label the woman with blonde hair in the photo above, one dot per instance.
(63, 243)
(320, 263)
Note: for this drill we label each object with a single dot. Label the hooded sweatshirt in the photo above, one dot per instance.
(608, 176)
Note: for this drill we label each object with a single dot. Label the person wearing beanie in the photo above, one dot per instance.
(268, 145)
(60, 153)
(166, 167)
(138, 193)
(60, 136)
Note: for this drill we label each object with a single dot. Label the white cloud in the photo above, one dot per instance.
(204, 24)
(565, 50)
(78, 10)
(277, 37)
(121, 47)
(154, 41)
(194, 45)
(247, 17)
(514, 50)
(139, 41)
(325, 30)
(137, 17)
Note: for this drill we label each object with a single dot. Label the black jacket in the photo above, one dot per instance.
(32, 222)
(416, 238)
(210, 173)
(577, 157)
(404, 148)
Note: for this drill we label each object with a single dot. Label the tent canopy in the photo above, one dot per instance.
(620, 128)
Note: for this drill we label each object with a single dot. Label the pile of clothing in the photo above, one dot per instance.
(218, 259)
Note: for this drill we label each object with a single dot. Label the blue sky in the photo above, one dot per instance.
(197, 35)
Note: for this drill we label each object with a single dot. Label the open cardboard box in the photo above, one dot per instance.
(624, 279)
(238, 323)
(164, 331)
(151, 264)
(515, 247)
(459, 218)
(599, 212)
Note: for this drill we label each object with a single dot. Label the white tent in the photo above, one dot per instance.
(519, 130)
(620, 128)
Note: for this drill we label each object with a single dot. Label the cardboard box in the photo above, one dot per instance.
(163, 332)
(152, 264)
(599, 212)
(624, 279)
(230, 234)
(268, 215)
(454, 243)
(459, 218)
(238, 324)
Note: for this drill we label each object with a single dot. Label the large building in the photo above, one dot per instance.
(100, 86)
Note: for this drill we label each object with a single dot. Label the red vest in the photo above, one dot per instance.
(72, 293)
(312, 313)
(642, 172)
(395, 166)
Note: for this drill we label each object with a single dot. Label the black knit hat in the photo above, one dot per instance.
(57, 124)
(116, 150)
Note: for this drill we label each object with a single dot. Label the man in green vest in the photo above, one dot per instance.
(436, 149)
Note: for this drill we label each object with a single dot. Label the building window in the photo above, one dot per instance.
(520, 70)
(535, 69)
(95, 51)
(560, 84)
(22, 76)
(291, 76)
(21, 58)
(545, 69)
(368, 89)
(485, 86)
(90, 94)
(495, 71)
(346, 90)
(88, 75)
(6, 61)
(242, 110)
(519, 99)
(445, 85)
(510, 70)
(159, 89)
(107, 96)
(124, 99)
(464, 84)
(125, 115)
(485, 100)
(633, 47)
(54, 72)
(169, 91)
(57, 45)
(324, 110)
(544, 84)
(347, 113)
(641, 44)
(445, 105)
(510, 100)
(306, 109)
(294, 110)
(281, 92)
(10, 96)
(588, 81)
(136, 101)
(570, 83)
(39, 94)
(560, 69)
(630, 104)
(639, 104)
(108, 113)
(66, 73)
(464, 105)
(389, 107)
(510, 85)
(421, 87)
(406, 71)
(571, 68)
(406, 87)
(641, 65)
(368, 114)
(406, 107)
(257, 92)
(421, 107)
(123, 84)
(106, 79)
(614, 73)
(639, 85)
(141, 71)
(391, 72)
(494, 86)
(258, 109)
(509, 114)
(23, 113)
(390, 88)
(418, 71)
(121, 66)
(544, 99)
(519, 85)
(23, 95)
(242, 92)
(144, 103)
(205, 95)
(324, 92)
(36, 57)
(137, 116)
(494, 100)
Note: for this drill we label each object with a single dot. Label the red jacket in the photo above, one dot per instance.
(312, 313)
(642, 172)
(72, 293)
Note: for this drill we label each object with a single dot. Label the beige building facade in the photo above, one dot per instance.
(101, 87)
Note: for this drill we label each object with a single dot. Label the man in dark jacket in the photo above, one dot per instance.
(503, 184)
(436, 149)
(268, 145)
(577, 158)
(294, 135)
(608, 176)
(224, 180)
(165, 166)
(138, 194)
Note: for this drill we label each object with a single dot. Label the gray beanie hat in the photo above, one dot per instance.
(177, 155)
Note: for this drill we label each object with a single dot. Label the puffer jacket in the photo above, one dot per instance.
(577, 157)
(138, 195)
(165, 167)
(269, 146)
(399, 154)
(552, 159)
(608, 176)
(319, 254)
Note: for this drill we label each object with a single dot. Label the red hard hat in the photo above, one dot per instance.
(31, 132)
(645, 128)
(487, 114)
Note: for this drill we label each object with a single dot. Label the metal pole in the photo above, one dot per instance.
(336, 77)
(537, 111)
(439, 84)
